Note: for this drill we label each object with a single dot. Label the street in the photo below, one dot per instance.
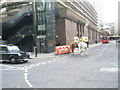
(97, 70)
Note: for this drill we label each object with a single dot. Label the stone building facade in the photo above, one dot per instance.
(76, 19)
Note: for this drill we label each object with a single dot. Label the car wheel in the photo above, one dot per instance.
(13, 60)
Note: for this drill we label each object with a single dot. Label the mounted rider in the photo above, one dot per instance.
(76, 39)
(85, 39)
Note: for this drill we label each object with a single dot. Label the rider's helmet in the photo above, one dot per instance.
(81, 40)
(76, 39)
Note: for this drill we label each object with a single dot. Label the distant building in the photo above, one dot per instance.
(112, 28)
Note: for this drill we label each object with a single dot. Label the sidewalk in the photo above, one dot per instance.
(50, 55)
(42, 55)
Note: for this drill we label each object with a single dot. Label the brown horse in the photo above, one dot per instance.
(82, 46)
(73, 45)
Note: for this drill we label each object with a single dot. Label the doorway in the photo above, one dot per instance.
(42, 45)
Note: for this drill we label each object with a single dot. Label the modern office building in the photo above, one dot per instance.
(44, 24)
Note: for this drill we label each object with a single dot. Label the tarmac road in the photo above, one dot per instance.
(97, 70)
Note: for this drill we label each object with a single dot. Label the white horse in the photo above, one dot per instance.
(82, 47)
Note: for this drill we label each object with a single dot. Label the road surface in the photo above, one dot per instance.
(97, 70)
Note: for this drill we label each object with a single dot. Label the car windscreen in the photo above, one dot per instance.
(13, 49)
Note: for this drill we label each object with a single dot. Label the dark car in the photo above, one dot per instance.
(118, 41)
(12, 54)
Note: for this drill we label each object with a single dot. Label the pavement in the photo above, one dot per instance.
(52, 54)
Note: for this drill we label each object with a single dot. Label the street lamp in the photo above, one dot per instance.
(35, 25)
(35, 48)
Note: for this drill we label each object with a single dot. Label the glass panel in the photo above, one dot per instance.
(45, 20)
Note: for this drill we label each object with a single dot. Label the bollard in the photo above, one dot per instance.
(35, 51)
(96, 42)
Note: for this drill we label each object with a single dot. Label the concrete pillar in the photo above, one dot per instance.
(80, 29)
(89, 33)
(86, 30)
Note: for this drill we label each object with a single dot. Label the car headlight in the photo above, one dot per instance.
(19, 54)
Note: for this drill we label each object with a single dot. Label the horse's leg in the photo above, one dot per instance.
(81, 53)
(86, 52)
(78, 50)
(71, 47)
(72, 51)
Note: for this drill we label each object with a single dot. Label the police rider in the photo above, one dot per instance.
(85, 39)
(76, 39)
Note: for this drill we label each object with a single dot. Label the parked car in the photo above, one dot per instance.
(13, 54)
(118, 41)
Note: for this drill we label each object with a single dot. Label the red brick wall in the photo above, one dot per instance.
(71, 30)
(60, 32)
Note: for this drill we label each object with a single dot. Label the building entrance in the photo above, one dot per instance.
(42, 45)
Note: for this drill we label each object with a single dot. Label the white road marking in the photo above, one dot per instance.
(103, 50)
(6, 69)
(59, 59)
(26, 78)
(35, 65)
(109, 69)
(11, 67)
(49, 61)
(44, 63)
(26, 68)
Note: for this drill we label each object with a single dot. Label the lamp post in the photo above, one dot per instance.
(35, 25)
(35, 48)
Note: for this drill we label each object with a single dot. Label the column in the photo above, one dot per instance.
(80, 29)
(89, 34)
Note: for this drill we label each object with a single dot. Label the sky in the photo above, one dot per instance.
(107, 9)
(110, 11)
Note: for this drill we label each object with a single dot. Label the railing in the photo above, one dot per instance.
(20, 15)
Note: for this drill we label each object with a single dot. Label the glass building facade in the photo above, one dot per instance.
(44, 26)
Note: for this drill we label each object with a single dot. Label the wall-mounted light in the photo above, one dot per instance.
(56, 36)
